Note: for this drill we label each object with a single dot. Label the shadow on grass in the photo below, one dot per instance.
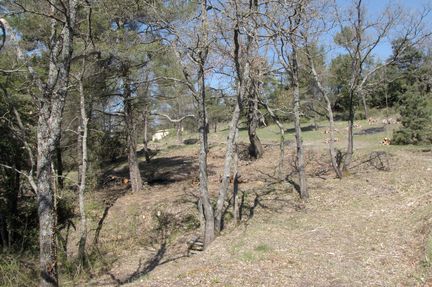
(304, 129)
(370, 131)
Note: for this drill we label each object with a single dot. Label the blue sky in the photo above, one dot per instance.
(374, 7)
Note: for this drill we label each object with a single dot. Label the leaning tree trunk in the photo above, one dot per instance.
(134, 171)
(229, 156)
(299, 144)
(332, 149)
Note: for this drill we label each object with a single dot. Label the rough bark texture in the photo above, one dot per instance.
(242, 70)
(134, 172)
(209, 230)
(48, 133)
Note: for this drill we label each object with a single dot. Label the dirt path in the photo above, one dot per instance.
(365, 231)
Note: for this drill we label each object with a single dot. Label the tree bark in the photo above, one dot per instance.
(145, 137)
(350, 147)
(236, 173)
(332, 150)
(59, 163)
(209, 230)
(134, 171)
(48, 133)
(256, 149)
(299, 144)
(82, 173)
(229, 156)
(365, 107)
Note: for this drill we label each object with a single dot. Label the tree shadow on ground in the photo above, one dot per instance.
(304, 129)
(148, 266)
(111, 195)
(370, 131)
(161, 170)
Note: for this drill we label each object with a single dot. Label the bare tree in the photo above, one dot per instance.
(242, 71)
(284, 25)
(360, 36)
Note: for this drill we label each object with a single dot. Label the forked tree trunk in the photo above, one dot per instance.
(242, 80)
(134, 171)
(229, 156)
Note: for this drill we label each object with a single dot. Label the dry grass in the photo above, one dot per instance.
(370, 229)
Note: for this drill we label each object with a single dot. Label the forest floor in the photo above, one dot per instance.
(371, 228)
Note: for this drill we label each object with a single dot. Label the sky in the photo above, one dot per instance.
(375, 7)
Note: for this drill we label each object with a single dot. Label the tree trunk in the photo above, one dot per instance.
(366, 110)
(332, 150)
(256, 149)
(134, 172)
(145, 140)
(59, 164)
(209, 230)
(82, 174)
(229, 155)
(350, 148)
(280, 172)
(179, 132)
(236, 205)
(299, 151)
(48, 134)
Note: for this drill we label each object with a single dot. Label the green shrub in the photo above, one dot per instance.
(416, 118)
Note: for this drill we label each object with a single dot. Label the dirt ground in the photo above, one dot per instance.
(369, 229)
